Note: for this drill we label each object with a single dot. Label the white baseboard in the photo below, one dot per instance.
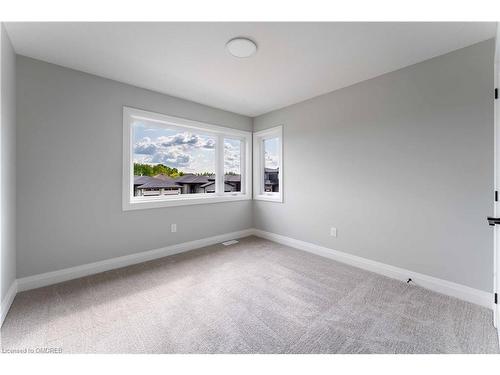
(449, 288)
(7, 301)
(37, 281)
(462, 292)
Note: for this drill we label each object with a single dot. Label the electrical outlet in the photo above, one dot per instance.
(173, 228)
(333, 232)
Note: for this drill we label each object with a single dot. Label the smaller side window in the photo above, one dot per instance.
(271, 165)
(268, 164)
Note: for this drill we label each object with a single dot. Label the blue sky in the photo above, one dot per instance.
(187, 151)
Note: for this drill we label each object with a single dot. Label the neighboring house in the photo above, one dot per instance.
(232, 183)
(192, 184)
(138, 181)
(271, 180)
(154, 186)
(186, 184)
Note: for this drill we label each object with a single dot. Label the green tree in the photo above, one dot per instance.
(143, 169)
(152, 170)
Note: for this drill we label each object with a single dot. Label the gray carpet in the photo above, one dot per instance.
(253, 297)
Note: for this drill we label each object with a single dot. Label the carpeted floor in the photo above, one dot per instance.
(253, 297)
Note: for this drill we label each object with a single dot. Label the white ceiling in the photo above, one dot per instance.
(294, 61)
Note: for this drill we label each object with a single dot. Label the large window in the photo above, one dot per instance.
(170, 161)
(268, 165)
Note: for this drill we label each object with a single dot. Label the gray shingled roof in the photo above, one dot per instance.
(232, 178)
(163, 177)
(208, 184)
(139, 180)
(159, 183)
(162, 181)
(194, 179)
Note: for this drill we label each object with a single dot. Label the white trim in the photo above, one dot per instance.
(219, 132)
(7, 301)
(49, 278)
(496, 174)
(449, 288)
(204, 127)
(258, 189)
(151, 202)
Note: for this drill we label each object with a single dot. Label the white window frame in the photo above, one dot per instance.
(129, 202)
(258, 162)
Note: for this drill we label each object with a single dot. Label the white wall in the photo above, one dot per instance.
(69, 159)
(404, 163)
(7, 154)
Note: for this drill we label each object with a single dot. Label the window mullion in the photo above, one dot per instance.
(262, 165)
(243, 171)
(219, 166)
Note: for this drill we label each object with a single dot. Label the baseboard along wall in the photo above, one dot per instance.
(6, 303)
(476, 296)
(449, 288)
(37, 281)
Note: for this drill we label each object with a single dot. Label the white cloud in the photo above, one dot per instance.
(173, 159)
(208, 143)
(232, 158)
(145, 147)
(186, 139)
(270, 160)
(181, 150)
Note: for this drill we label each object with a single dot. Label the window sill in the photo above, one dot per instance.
(269, 197)
(140, 204)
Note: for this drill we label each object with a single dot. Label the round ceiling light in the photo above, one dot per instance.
(241, 47)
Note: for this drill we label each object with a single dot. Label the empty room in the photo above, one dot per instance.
(250, 187)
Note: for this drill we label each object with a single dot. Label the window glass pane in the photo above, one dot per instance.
(271, 165)
(232, 165)
(172, 161)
